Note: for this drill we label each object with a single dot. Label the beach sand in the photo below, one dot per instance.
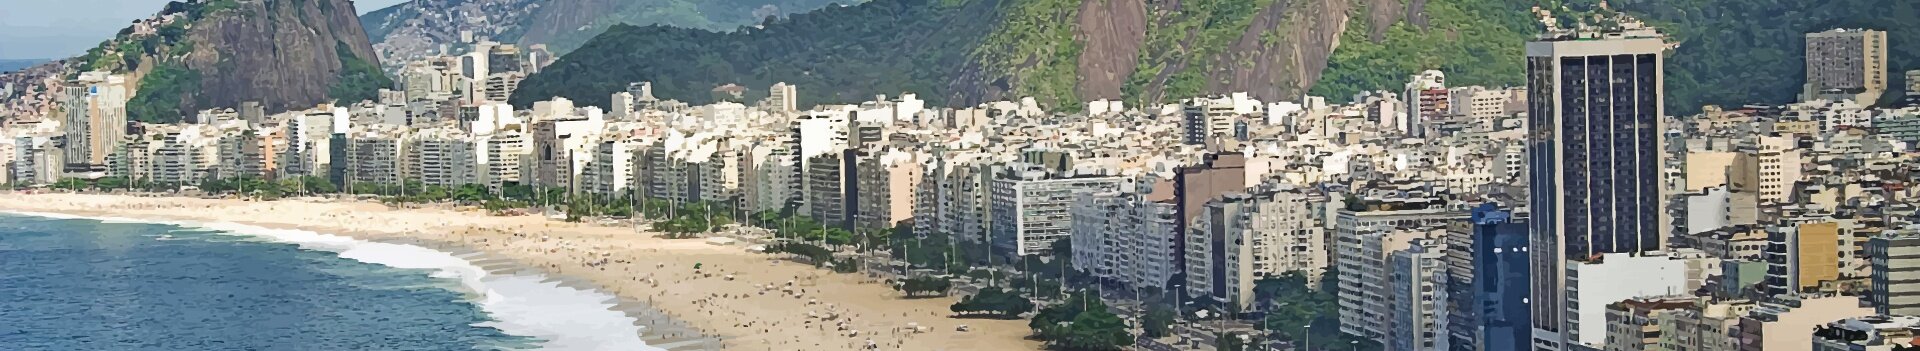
(741, 311)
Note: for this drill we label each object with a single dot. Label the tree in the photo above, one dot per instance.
(1082, 322)
(926, 286)
(993, 302)
(1237, 341)
(1158, 323)
(74, 184)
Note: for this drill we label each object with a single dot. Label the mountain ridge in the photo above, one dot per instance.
(1063, 52)
(416, 28)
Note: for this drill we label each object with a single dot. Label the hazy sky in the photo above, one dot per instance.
(64, 28)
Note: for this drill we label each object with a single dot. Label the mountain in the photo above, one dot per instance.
(286, 54)
(1060, 51)
(960, 52)
(419, 27)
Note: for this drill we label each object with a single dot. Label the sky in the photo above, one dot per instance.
(39, 29)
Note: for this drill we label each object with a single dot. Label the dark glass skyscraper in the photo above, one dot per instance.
(1594, 107)
(1494, 299)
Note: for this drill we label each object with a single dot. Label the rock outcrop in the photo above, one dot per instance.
(286, 54)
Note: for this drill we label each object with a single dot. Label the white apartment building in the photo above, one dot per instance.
(441, 157)
(185, 157)
(1417, 297)
(1247, 236)
(612, 170)
(36, 160)
(1594, 284)
(1123, 237)
(1362, 241)
(248, 154)
(960, 184)
(769, 181)
(1030, 207)
(1780, 166)
(375, 157)
(1206, 118)
(500, 158)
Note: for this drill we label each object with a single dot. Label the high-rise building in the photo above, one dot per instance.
(1032, 208)
(1594, 118)
(1261, 233)
(1913, 82)
(1801, 256)
(1362, 242)
(1416, 297)
(1206, 118)
(1125, 237)
(1847, 63)
(1195, 185)
(96, 120)
(1895, 257)
(1427, 100)
(782, 97)
(1487, 281)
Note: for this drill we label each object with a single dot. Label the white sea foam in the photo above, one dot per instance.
(564, 318)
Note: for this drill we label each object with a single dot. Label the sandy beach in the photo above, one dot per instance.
(749, 301)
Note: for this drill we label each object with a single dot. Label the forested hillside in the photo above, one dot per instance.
(1064, 51)
(1059, 51)
(1752, 51)
(836, 54)
(419, 27)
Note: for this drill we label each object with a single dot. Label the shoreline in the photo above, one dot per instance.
(736, 300)
(652, 326)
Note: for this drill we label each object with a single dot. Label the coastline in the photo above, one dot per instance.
(737, 300)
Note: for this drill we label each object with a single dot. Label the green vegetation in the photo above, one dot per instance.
(563, 37)
(1736, 52)
(1475, 42)
(688, 220)
(719, 16)
(162, 92)
(1033, 47)
(1082, 322)
(992, 302)
(1182, 46)
(926, 286)
(1294, 307)
(359, 79)
(1158, 323)
(835, 55)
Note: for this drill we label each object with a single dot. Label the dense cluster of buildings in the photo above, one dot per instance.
(1570, 214)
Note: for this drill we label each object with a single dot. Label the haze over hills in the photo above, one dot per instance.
(1066, 51)
(418, 27)
(10, 65)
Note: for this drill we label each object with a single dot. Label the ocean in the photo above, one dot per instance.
(73, 283)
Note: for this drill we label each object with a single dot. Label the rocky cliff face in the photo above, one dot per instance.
(287, 54)
(1136, 50)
